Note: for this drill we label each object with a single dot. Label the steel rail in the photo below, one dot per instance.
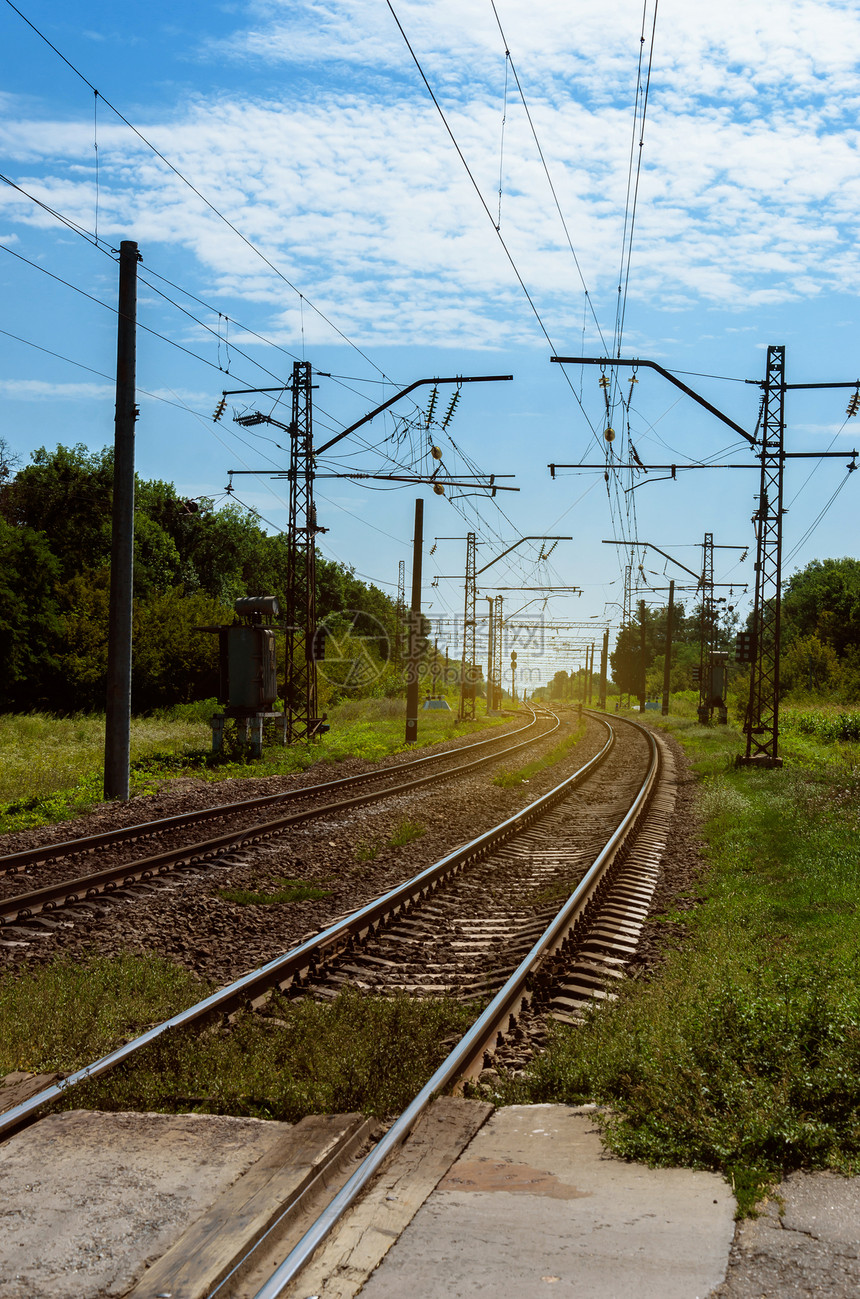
(24, 906)
(296, 964)
(19, 861)
(472, 1046)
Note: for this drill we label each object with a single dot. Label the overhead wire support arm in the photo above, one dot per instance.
(652, 365)
(514, 546)
(651, 546)
(365, 419)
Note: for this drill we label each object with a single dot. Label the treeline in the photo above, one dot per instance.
(191, 562)
(820, 638)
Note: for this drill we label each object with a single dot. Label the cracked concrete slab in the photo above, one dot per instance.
(804, 1244)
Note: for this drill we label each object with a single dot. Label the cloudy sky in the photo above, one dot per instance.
(311, 201)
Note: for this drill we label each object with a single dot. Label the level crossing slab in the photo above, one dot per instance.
(536, 1207)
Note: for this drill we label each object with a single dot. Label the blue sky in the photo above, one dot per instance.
(309, 127)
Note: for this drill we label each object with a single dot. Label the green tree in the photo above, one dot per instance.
(823, 600)
(29, 617)
(66, 495)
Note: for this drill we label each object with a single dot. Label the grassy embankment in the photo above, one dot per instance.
(743, 1052)
(51, 768)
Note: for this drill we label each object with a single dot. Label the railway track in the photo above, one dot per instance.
(570, 888)
(116, 877)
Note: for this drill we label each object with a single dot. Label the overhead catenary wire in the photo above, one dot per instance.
(477, 190)
(542, 156)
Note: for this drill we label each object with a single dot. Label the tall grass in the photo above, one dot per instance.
(41, 755)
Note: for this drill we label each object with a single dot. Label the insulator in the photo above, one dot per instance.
(434, 397)
(438, 489)
(436, 453)
(452, 406)
(609, 434)
(853, 404)
(219, 409)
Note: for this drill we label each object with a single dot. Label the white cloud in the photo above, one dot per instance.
(749, 193)
(39, 390)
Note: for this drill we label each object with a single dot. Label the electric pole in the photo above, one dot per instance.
(468, 674)
(399, 613)
(604, 668)
(415, 629)
(118, 711)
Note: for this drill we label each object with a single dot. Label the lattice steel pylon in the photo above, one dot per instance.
(498, 639)
(300, 671)
(491, 646)
(469, 675)
(706, 627)
(762, 719)
(627, 607)
(400, 614)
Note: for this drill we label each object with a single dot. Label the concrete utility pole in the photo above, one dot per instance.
(604, 669)
(412, 670)
(642, 649)
(118, 713)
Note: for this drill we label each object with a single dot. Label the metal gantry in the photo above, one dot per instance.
(762, 719)
(468, 675)
(707, 629)
(300, 671)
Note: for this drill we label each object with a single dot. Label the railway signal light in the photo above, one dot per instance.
(697, 676)
(317, 645)
(744, 647)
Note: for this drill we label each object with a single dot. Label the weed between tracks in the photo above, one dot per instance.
(742, 1053)
(285, 891)
(363, 1053)
(507, 779)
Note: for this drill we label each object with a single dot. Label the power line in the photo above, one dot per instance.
(249, 243)
(107, 306)
(481, 198)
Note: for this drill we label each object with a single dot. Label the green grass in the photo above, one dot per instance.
(508, 779)
(64, 1015)
(285, 891)
(360, 1052)
(743, 1052)
(367, 849)
(405, 832)
(51, 768)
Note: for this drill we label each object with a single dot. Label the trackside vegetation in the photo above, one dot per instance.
(742, 1051)
(357, 1053)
